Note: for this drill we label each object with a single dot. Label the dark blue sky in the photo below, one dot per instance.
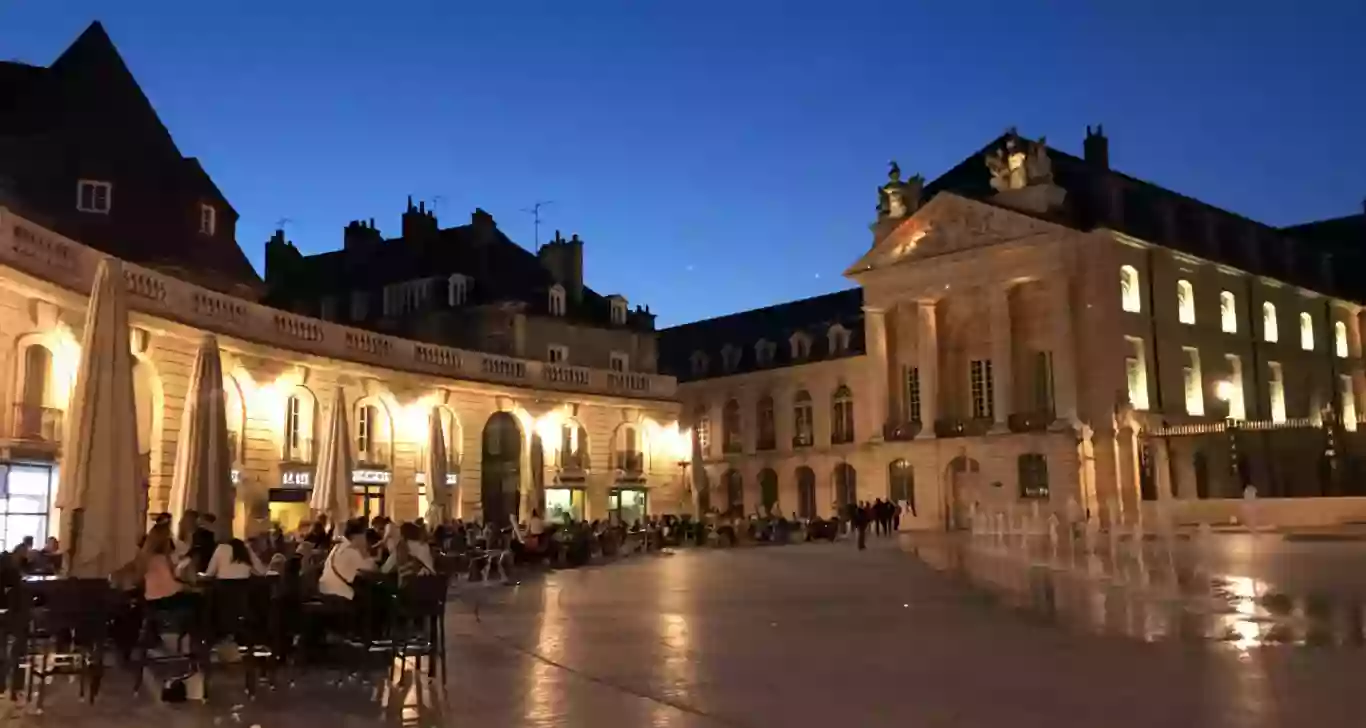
(715, 155)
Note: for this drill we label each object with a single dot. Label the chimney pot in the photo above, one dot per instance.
(1096, 148)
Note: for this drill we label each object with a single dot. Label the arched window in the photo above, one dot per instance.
(298, 430)
(1228, 313)
(1130, 297)
(806, 492)
(731, 439)
(842, 416)
(233, 415)
(573, 453)
(767, 435)
(768, 491)
(1340, 339)
(372, 434)
(1270, 331)
(803, 432)
(1033, 474)
(1306, 331)
(35, 418)
(901, 483)
(735, 492)
(1185, 302)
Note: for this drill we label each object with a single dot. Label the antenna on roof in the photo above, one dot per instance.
(535, 212)
(282, 222)
(436, 200)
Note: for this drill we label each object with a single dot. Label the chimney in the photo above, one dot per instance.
(419, 223)
(281, 257)
(1097, 147)
(357, 234)
(563, 260)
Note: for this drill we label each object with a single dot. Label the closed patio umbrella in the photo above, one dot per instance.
(99, 494)
(202, 479)
(438, 493)
(332, 481)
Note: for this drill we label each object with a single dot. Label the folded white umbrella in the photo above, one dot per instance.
(438, 493)
(99, 493)
(202, 479)
(332, 480)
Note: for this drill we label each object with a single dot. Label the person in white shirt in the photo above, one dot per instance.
(418, 549)
(347, 559)
(535, 526)
(233, 560)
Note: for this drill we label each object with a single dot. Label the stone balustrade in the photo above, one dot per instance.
(32, 249)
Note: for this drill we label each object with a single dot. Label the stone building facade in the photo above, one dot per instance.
(1023, 343)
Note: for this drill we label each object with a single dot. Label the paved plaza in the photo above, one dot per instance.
(910, 632)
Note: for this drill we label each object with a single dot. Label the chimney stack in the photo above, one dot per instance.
(1097, 147)
(357, 234)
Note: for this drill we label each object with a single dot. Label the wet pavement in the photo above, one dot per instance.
(938, 631)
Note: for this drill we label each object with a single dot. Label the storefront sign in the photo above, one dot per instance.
(371, 477)
(451, 478)
(296, 479)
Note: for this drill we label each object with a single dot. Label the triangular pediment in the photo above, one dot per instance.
(947, 224)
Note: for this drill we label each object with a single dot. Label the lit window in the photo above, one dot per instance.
(1228, 313)
(842, 416)
(1195, 388)
(1185, 302)
(1270, 332)
(618, 311)
(982, 386)
(1131, 299)
(365, 429)
(1306, 332)
(702, 426)
(556, 301)
(1349, 403)
(557, 354)
(1231, 389)
(94, 196)
(1340, 339)
(1276, 390)
(293, 429)
(620, 362)
(1136, 373)
(208, 219)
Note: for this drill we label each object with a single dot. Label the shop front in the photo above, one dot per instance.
(565, 502)
(27, 490)
(368, 492)
(627, 505)
(289, 499)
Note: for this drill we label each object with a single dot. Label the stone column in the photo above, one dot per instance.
(875, 331)
(927, 362)
(1064, 355)
(1001, 359)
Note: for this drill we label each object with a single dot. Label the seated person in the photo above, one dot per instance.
(345, 562)
(411, 556)
(233, 560)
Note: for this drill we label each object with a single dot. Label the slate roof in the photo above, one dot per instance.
(812, 316)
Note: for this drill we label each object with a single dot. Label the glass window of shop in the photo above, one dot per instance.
(564, 504)
(26, 504)
(627, 505)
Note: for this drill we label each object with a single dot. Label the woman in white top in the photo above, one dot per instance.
(233, 560)
(345, 562)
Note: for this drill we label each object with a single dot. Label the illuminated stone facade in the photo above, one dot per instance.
(282, 370)
(1018, 345)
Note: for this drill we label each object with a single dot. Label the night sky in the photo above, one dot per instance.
(718, 156)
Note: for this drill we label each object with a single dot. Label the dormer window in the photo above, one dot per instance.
(208, 220)
(730, 358)
(801, 346)
(764, 351)
(457, 290)
(618, 311)
(839, 340)
(94, 196)
(700, 363)
(620, 362)
(556, 300)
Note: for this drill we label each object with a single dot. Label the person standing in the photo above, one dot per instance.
(860, 523)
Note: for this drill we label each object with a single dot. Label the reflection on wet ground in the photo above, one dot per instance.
(1152, 589)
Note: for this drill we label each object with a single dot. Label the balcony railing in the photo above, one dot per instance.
(300, 450)
(576, 460)
(48, 256)
(37, 424)
(628, 462)
(959, 427)
(373, 453)
(1029, 421)
(893, 432)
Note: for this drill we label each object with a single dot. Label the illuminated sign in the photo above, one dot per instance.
(451, 478)
(236, 477)
(371, 477)
(296, 479)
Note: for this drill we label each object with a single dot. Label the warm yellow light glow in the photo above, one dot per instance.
(1223, 389)
(266, 401)
(66, 359)
(548, 427)
(670, 441)
(413, 420)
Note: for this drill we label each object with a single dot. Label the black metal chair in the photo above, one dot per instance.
(67, 633)
(243, 610)
(190, 625)
(418, 624)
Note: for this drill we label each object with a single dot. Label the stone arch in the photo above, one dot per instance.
(901, 483)
(962, 478)
(500, 466)
(806, 492)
